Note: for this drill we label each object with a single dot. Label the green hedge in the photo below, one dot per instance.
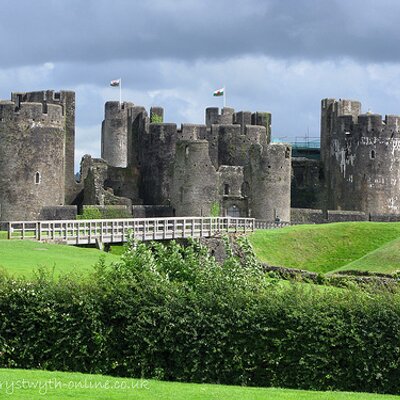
(173, 313)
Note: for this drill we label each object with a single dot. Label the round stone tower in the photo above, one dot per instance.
(269, 174)
(32, 159)
(116, 133)
(195, 187)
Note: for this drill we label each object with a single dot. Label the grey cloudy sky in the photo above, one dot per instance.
(282, 56)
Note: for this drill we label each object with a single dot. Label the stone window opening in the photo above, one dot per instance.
(245, 189)
(186, 151)
(227, 189)
(38, 178)
(287, 152)
(19, 101)
(372, 155)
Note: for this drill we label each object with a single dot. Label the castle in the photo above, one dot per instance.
(227, 166)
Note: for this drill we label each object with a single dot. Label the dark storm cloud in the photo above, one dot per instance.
(282, 56)
(94, 31)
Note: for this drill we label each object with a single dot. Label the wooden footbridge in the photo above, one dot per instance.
(81, 232)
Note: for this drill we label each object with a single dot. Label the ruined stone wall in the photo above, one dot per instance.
(96, 188)
(58, 213)
(124, 182)
(316, 216)
(233, 191)
(143, 211)
(269, 176)
(362, 163)
(195, 180)
(32, 159)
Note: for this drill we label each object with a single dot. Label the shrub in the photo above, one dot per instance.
(172, 312)
(156, 119)
(106, 212)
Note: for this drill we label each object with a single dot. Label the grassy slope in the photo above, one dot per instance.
(385, 259)
(23, 257)
(64, 383)
(322, 248)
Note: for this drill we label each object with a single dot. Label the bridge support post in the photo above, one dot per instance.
(99, 244)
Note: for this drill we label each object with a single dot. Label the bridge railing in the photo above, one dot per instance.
(261, 224)
(119, 230)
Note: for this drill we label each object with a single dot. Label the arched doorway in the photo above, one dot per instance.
(233, 211)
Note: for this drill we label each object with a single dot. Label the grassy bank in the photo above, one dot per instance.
(385, 259)
(328, 247)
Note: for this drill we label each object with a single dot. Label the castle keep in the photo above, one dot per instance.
(226, 166)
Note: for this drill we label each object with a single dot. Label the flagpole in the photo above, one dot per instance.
(224, 96)
(120, 92)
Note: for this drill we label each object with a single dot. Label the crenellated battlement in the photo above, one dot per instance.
(115, 110)
(31, 112)
(42, 96)
(256, 134)
(162, 132)
(368, 125)
(192, 132)
(216, 116)
(343, 119)
(228, 116)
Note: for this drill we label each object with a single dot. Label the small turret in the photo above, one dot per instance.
(116, 133)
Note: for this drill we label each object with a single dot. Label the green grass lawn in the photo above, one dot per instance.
(324, 248)
(385, 259)
(117, 249)
(32, 385)
(20, 257)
